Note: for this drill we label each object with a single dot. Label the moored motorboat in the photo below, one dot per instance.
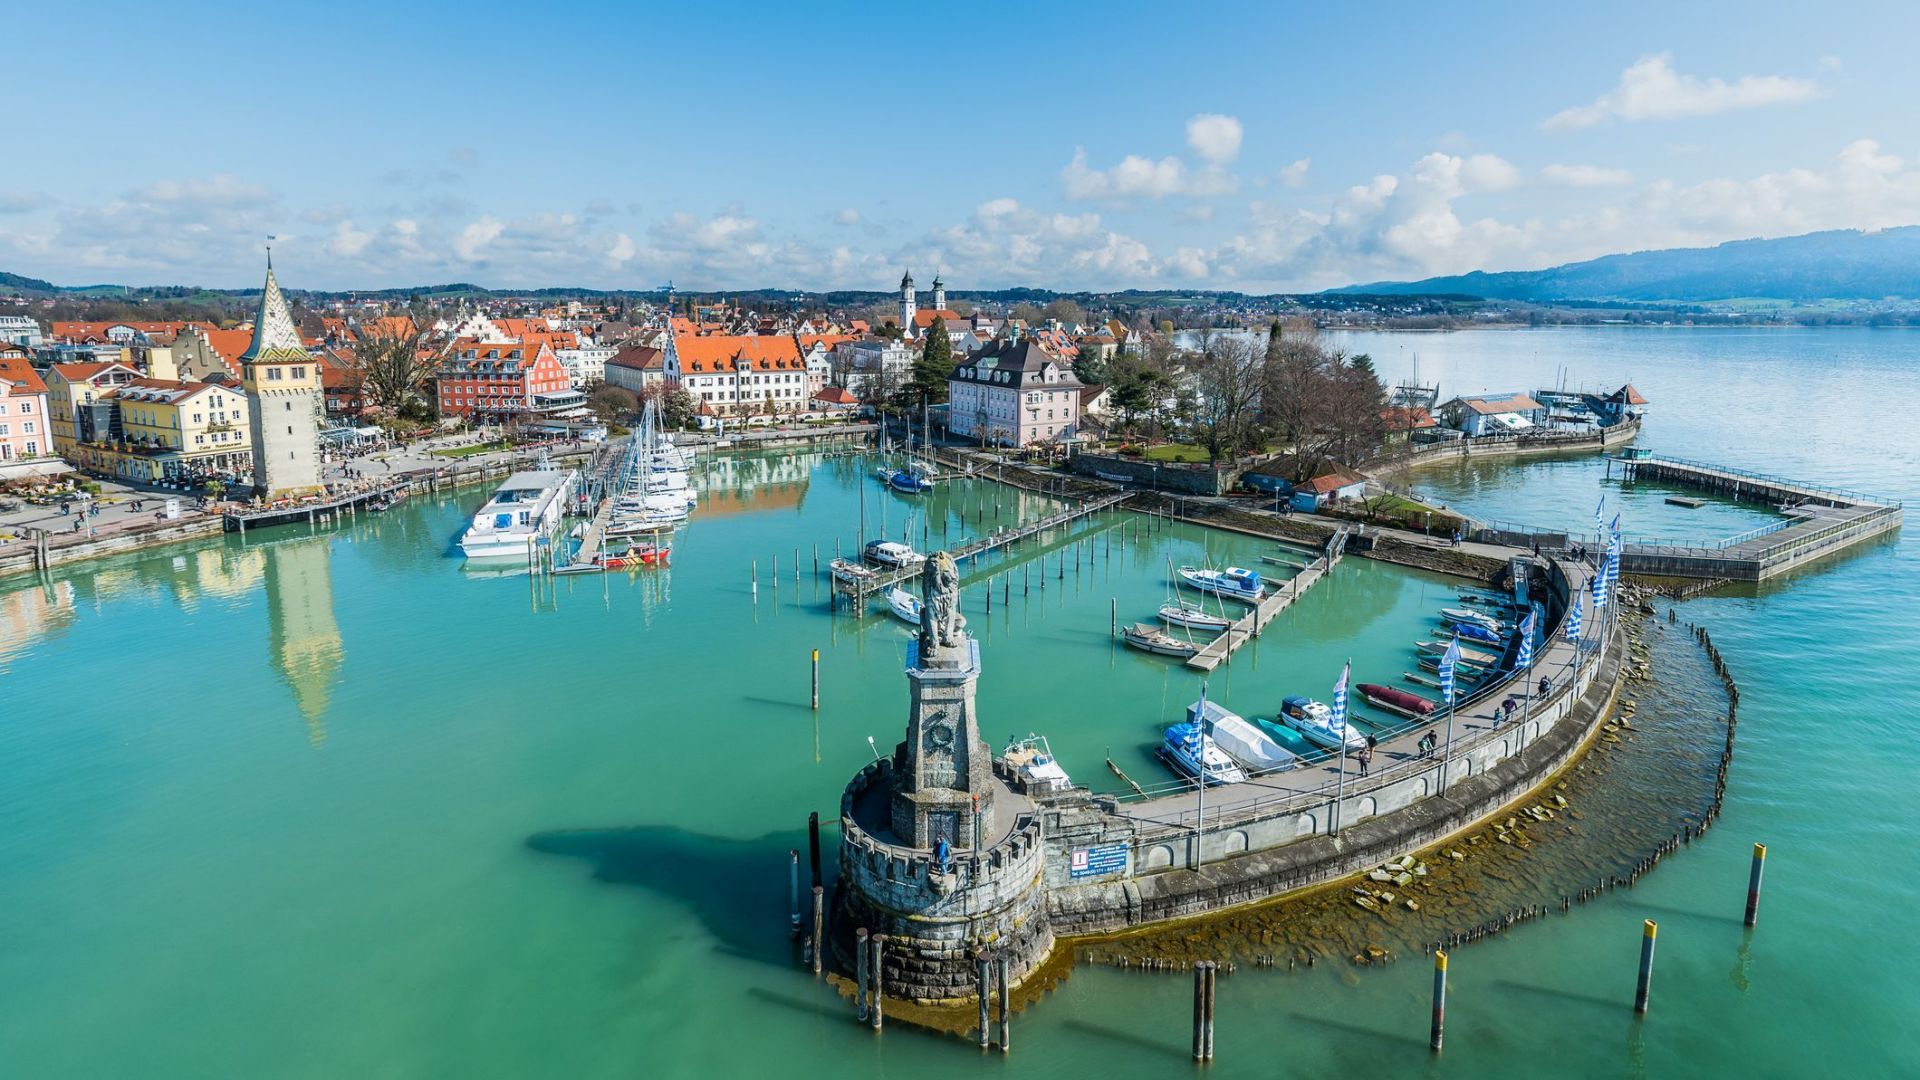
(522, 514)
(1314, 721)
(1472, 656)
(1191, 752)
(1240, 739)
(1154, 640)
(1459, 614)
(1237, 583)
(1394, 700)
(907, 607)
(1476, 632)
(892, 554)
(1032, 760)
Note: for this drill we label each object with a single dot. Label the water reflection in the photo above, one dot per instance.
(303, 640)
(31, 615)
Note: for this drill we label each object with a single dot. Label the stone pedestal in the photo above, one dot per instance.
(944, 790)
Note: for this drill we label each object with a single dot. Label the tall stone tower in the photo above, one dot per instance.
(939, 294)
(937, 855)
(907, 307)
(283, 392)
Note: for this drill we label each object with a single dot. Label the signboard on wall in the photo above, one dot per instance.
(1098, 860)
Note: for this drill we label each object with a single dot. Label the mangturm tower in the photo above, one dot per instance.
(937, 852)
(283, 387)
(907, 306)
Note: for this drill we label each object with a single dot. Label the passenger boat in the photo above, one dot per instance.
(1192, 616)
(1234, 582)
(892, 554)
(1032, 760)
(906, 606)
(1393, 700)
(1240, 739)
(1154, 640)
(1314, 721)
(1191, 752)
(525, 511)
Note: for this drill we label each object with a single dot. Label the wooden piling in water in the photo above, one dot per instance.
(1645, 984)
(793, 893)
(816, 680)
(819, 928)
(1199, 1010)
(983, 988)
(1213, 979)
(860, 966)
(813, 845)
(1006, 1005)
(876, 968)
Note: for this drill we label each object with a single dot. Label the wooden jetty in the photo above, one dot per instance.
(1248, 626)
(310, 511)
(857, 593)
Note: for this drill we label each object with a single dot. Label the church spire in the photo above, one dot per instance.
(275, 337)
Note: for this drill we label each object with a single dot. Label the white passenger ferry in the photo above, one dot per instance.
(525, 509)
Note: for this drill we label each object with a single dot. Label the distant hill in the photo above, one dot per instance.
(16, 283)
(1836, 265)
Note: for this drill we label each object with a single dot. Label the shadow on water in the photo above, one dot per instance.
(1123, 1037)
(731, 884)
(1385, 1038)
(778, 703)
(1682, 913)
(1531, 990)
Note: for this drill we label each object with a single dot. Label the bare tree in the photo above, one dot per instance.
(1227, 385)
(394, 362)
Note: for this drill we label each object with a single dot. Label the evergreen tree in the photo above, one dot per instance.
(935, 364)
(1090, 368)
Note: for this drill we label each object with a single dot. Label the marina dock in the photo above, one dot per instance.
(857, 593)
(308, 511)
(1248, 626)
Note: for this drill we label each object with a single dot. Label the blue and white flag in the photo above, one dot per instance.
(1448, 661)
(1573, 619)
(1339, 721)
(1613, 562)
(1599, 592)
(1525, 659)
(1600, 513)
(1615, 527)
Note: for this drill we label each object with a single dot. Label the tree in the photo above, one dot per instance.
(933, 366)
(1227, 396)
(679, 408)
(1090, 367)
(1027, 313)
(1135, 387)
(394, 364)
(610, 403)
(1065, 310)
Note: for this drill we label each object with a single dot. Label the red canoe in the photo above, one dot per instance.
(1395, 699)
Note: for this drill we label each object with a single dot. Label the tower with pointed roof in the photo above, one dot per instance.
(907, 306)
(939, 294)
(283, 390)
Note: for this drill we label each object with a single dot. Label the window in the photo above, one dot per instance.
(26, 406)
(26, 428)
(299, 373)
(273, 374)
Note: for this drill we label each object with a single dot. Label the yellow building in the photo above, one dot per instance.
(166, 431)
(71, 389)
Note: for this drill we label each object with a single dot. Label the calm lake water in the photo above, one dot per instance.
(323, 805)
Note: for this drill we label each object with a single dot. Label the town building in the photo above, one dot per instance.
(1505, 414)
(283, 390)
(740, 375)
(494, 383)
(637, 369)
(873, 368)
(21, 330)
(165, 431)
(25, 430)
(1013, 393)
(585, 362)
(73, 392)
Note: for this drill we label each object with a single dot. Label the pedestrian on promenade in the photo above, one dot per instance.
(1508, 706)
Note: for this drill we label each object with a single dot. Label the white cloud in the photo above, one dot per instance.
(1138, 177)
(20, 202)
(1295, 175)
(1586, 176)
(1652, 90)
(1486, 172)
(348, 241)
(473, 239)
(622, 251)
(1214, 137)
(848, 216)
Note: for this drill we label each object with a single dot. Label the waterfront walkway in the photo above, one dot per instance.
(1176, 806)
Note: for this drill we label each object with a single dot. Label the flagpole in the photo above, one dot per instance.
(1340, 737)
(1200, 809)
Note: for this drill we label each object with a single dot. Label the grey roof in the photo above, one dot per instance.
(1024, 360)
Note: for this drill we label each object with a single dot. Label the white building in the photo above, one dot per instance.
(20, 330)
(1012, 394)
(586, 364)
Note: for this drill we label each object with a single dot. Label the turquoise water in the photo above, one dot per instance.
(327, 805)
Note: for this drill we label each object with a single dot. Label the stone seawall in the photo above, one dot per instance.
(25, 556)
(1508, 446)
(1177, 478)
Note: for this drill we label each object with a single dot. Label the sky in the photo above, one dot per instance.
(1259, 147)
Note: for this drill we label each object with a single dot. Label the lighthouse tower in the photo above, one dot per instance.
(283, 391)
(907, 306)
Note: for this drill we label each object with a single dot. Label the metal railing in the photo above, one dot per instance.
(1768, 478)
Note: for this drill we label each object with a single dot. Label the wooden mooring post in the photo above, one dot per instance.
(860, 964)
(819, 929)
(1439, 999)
(1753, 884)
(1006, 1005)
(1645, 984)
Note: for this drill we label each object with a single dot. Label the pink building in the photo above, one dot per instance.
(1013, 393)
(24, 430)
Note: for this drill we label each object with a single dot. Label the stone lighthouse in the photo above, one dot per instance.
(936, 851)
(282, 384)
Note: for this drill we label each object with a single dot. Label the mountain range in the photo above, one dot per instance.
(1841, 264)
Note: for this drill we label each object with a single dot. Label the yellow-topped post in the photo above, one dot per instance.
(1753, 883)
(1439, 998)
(1646, 967)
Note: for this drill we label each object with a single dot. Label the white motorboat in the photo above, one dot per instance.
(1472, 615)
(523, 513)
(892, 553)
(906, 607)
(1192, 753)
(1236, 583)
(1033, 761)
(1240, 739)
(1314, 721)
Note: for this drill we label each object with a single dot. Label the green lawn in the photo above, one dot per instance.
(1183, 452)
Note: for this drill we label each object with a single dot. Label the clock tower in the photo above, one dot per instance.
(944, 789)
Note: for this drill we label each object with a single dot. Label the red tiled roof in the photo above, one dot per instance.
(1408, 418)
(20, 374)
(1331, 482)
(837, 395)
(639, 358)
(731, 352)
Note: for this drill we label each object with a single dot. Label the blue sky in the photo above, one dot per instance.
(1252, 147)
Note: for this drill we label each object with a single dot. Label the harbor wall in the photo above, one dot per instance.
(1792, 548)
(40, 552)
(1258, 852)
(1164, 476)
